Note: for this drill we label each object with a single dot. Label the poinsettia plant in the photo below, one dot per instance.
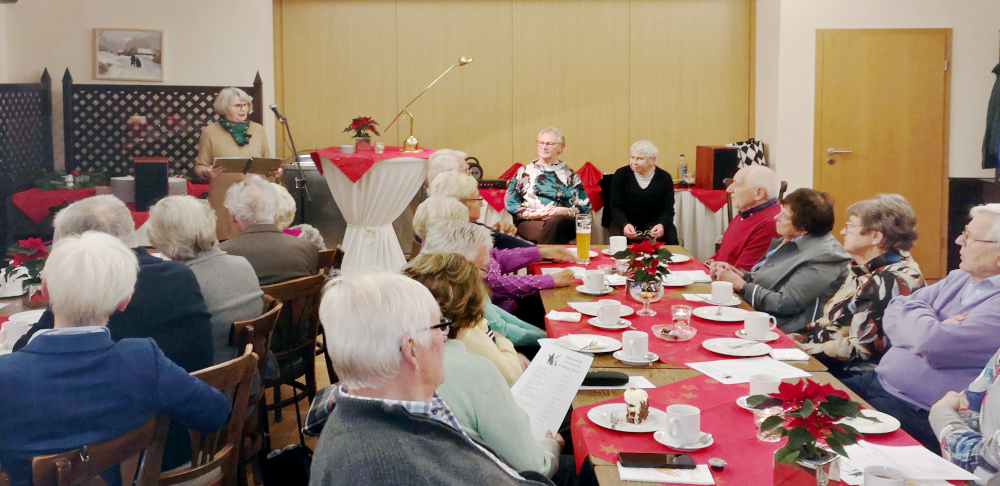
(644, 260)
(809, 413)
(361, 126)
(30, 254)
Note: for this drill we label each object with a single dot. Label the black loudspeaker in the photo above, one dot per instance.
(150, 181)
(713, 164)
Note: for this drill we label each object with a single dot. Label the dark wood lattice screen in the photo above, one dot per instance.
(25, 140)
(100, 138)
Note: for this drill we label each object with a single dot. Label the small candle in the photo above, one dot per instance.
(379, 148)
(716, 464)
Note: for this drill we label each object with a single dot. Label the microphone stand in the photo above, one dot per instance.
(300, 177)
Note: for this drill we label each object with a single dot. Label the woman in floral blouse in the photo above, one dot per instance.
(849, 337)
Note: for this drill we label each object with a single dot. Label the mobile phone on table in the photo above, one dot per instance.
(656, 460)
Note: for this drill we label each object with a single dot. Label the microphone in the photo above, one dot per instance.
(274, 108)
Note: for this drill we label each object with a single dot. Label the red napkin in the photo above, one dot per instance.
(591, 178)
(3, 319)
(495, 198)
(713, 199)
(36, 204)
(509, 173)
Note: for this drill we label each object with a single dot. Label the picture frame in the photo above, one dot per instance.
(128, 55)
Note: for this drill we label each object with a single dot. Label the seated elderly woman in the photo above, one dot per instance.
(182, 228)
(285, 216)
(545, 195)
(849, 338)
(436, 208)
(801, 270)
(642, 197)
(465, 188)
(473, 387)
(446, 160)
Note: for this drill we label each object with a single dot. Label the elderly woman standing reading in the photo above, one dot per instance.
(545, 195)
(642, 197)
(183, 229)
(849, 338)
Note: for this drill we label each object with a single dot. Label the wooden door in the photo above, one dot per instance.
(883, 96)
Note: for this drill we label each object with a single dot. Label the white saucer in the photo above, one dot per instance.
(729, 314)
(31, 316)
(601, 415)
(650, 358)
(671, 335)
(675, 258)
(590, 308)
(704, 441)
(576, 341)
(621, 324)
(607, 251)
(886, 423)
(770, 336)
(736, 347)
(742, 402)
(676, 280)
(583, 290)
(593, 254)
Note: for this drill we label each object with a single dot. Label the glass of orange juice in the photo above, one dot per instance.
(583, 222)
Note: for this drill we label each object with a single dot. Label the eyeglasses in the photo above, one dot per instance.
(851, 226)
(965, 235)
(444, 326)
(547, 144)
(477, 200)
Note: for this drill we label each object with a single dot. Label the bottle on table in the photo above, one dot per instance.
(683, 169)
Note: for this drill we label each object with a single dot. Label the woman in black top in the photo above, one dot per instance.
(642, 197)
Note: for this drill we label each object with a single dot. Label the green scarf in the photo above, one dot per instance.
(237, 130)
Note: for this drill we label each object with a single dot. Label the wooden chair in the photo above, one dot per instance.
(294, 339)
(219, 450)
(336, 258)
(5, 479)
(330, 258)
(79, 466)
(255, 333)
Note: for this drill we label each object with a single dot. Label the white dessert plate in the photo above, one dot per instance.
(667, 333)
(593, 254)
(675, 258)
(729, 314)
(704, 441)
(621, 324)
(601, 415)
(590, 308)
(771, 336)
(676, 280)
(650, 358)
(583, 290)
(736, 347)
(886, 423)
(707, 298)
(31, 316)
(578, 343)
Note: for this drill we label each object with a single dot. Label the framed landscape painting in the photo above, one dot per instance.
(128, 54)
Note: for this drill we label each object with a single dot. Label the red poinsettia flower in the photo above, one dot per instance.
(355, 125)
(793, 394)
(645, 247)
(33, 244)
(18, 259)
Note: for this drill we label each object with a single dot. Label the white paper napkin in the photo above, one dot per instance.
(614, 280)
(698, 475)
(789, 354)
(564, 316)
(696, 275)
(578, 272)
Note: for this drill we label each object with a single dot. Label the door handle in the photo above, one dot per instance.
(832, 151)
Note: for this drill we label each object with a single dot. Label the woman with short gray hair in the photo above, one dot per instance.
(849, 338)
(642, 198)
(183, 229)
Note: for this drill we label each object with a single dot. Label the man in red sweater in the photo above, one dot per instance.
(755, 195)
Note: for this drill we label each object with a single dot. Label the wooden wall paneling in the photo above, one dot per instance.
(571, 70)
(690, 65)
(470, 108)
(339, 63)
(277, 7)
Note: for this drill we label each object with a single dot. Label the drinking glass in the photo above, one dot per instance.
(647, 293)
(682, 318)
(759, 416)
(583, 238)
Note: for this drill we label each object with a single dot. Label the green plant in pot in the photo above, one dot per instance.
(30, 254)
(363, 128)
(646, 272)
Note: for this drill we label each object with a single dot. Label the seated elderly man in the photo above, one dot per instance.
(74, 385)
(275, 256)
(942, 334)
(389, 426)
(465, 188)
(444, 160)
(755, 195)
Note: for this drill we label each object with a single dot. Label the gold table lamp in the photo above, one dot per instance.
(411, 144)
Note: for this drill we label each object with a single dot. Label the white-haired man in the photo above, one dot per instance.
(274, 255)
(73, 385)
(389, 426)
(755, 195)
(941, 335)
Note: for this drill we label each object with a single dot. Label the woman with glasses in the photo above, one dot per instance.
(849, 338)
(642, 197)
(546, 195)
(473, 388)
(801, 270)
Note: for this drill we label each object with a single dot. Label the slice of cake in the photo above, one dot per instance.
(637, 406)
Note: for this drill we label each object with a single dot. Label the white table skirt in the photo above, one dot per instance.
(697, 226)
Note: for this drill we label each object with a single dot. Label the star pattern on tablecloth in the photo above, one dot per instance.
(580, 422)
(688, 387)
(610, 449)
(688, 396)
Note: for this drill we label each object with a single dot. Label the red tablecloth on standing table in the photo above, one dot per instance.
(750, 461)
(355, 165)
(3, 319)
(495, 198)
(712, 199)
(36, 204)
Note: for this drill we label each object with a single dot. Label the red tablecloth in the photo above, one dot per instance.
(3, 319)
(494, 197)
(355, 165)
(750, 461)
(712, 199)
(37, 205)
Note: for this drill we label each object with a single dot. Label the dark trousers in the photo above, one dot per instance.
(913, 420)
(557, 230)
(669, 233)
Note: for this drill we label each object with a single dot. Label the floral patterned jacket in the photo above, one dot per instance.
(538, 184)
(849, 337)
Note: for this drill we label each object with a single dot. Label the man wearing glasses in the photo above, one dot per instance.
(941, 335)
(389, 426)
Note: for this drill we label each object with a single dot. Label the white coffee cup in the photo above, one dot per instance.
(635, 344)
(618, 243)
(756, 325)
(764, 384)
(683, 424)
(347, 149)
(12, 331)
(722, 292)
(593, 280)
(608, 311)
(884, 476)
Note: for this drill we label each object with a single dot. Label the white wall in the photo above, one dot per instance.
(788, 128)
(214, 42)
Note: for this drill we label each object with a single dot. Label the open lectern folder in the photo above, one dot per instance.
(248, 165)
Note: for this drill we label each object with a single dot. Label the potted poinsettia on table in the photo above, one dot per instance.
(363, 128)
(645, 272)
(26, 261)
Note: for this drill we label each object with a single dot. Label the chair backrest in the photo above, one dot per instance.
(330, 258)
(781, 192)
(295, 334)
(4, 478)
(220, 449)
(78, 466)
(256, 333)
